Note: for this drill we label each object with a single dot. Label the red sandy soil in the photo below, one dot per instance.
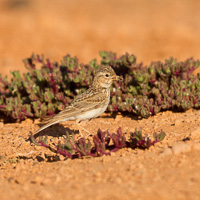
(152, 30)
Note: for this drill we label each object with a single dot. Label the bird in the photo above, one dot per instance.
(90, 104)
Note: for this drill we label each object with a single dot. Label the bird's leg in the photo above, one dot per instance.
(78, 125)
(87, 121)
(89, 134)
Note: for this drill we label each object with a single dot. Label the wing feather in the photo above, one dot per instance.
(84, 102)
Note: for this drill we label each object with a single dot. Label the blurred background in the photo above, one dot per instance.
(151, 29)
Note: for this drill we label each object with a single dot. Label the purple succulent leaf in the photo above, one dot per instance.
(40, 142)
(119, 139)
(62, 151)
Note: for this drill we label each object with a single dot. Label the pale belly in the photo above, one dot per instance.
(93, 113)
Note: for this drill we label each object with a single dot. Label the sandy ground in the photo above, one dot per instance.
(152, 30)
(168, 170)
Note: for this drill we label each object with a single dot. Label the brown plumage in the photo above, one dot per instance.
(90, 104)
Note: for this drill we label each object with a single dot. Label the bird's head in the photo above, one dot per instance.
(104, 77)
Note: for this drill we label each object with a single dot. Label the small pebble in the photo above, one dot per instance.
(196, 146)
(180, 148)
(1, 124)
(167, 151)
(195, 134)
(178, 122)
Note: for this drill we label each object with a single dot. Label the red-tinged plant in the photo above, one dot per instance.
(138, 140)
(101, 143)
(161, 86)
(41, 142)
(119, 139)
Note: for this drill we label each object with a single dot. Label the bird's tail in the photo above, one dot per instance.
(49, 122)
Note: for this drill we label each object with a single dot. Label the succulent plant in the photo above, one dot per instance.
(137, 140)
(72, 148)
(48, 87)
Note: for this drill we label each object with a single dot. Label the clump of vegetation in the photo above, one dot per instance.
(103, 143)
(168, 85)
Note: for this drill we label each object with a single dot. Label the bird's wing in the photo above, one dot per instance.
(84, 102)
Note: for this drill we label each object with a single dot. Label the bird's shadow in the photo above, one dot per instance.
(123, 114)
(57, 130)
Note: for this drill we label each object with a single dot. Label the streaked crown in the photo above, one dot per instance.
(104, 77)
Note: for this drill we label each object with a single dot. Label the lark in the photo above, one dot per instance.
(90, 104)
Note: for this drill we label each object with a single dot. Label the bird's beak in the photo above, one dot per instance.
(117, 78)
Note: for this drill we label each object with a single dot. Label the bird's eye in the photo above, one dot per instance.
(107, 75)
